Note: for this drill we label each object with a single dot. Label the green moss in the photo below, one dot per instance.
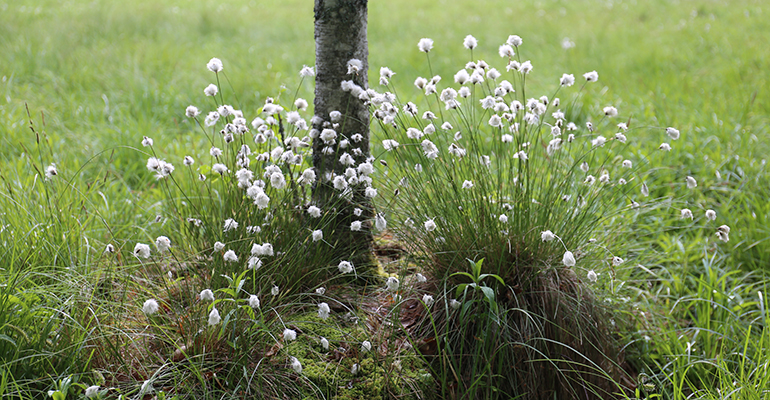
(330, 371)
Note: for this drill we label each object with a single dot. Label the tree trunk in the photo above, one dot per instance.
(340, 35)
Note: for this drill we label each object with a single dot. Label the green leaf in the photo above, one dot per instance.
(8, 339)
(477, 268)
(57, 395)
(460, 289)
(489, 293)
(499, 279)
(471, 277)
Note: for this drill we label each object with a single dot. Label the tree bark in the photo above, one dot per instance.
(340, 35)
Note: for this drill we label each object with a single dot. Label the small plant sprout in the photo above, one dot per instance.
(214, 317)
(289, 334)
(150, 307)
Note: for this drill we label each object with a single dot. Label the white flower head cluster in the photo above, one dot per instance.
(150, 307)
(323, 310)
(215, 65)
(345, 267)
(392, 284)
(425, 45)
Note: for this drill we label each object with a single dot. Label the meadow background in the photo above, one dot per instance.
(96, 76)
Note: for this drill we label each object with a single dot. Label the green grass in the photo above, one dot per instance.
(97, 76)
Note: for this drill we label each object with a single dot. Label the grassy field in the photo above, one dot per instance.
(93, 78)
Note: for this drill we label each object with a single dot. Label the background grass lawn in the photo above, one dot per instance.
(96, 76)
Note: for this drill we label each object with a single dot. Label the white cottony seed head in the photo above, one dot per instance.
(296, 365)
(392, 284)
(711, 215)
(672, 133)
(150, 307)
(206, 295)
(323, 311)
(345, 267)
(568, 259)
(425, 45)
(214, 317)
(215, 65)
(253, 301)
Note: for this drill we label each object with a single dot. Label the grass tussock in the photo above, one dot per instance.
(536, 237)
